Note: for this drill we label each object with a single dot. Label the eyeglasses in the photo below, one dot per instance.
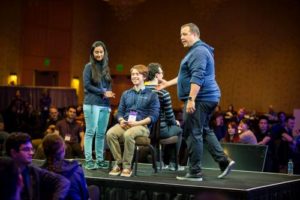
(28, 149)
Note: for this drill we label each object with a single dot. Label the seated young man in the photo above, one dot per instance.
(38, 183)
(138, 110)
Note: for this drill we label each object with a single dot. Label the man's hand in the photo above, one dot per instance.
(162, 85)
(133, 123)
(124, 124)
(190, 107)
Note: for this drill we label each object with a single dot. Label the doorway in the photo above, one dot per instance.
(46, 78)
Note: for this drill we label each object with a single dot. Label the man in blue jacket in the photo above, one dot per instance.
(137, 111)
(198, 89)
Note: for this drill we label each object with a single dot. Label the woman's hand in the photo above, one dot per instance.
(109, 94)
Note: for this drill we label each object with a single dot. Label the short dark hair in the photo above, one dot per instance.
(71, 106)
(289, 117)
(153, 69)
(15, 140)
(9, 173)
(193, 28)
(263, 118)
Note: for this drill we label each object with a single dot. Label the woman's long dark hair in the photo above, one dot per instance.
(97, 75)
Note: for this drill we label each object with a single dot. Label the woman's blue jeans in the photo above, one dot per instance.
(96, 120)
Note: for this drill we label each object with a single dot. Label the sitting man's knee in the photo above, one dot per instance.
(110, 134)
(128, 135)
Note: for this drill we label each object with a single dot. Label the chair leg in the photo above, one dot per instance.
(153, 153)
(160, 156)
(110, 160)
(136, 160)
(176, 158)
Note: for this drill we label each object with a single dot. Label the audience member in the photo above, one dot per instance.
(264, 137)
(245, 134)
(138, 110)
(45, 103)
(168, 125)
(17, 103)
(14, 114)
(240, 115)
(232, 134)
(53, 118)
(31, 123)
(263, 134)
(230, 113)
(54, 149)
(271, 114)
(218, 109)
(80, 116)
(72, 133)
(38, 183)
(11, 182)
(219, 126)
(3, 135)
(283, 143)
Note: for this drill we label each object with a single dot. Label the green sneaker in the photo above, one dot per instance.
(89, 165)
(101, 165)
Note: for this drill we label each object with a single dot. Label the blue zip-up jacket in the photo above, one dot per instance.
(145, 103)
(93, 92)
(74, 173)
(198, 67)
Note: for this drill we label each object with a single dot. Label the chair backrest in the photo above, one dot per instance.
(155, 132)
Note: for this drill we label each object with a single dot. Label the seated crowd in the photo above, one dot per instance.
(61, 135)
(275, 131)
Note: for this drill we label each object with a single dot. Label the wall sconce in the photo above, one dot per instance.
(12, 79)
(75, 84)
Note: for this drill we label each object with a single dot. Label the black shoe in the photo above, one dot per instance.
(226, 168)
(191, 177)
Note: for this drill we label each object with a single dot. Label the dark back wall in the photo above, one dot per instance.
(256, 43)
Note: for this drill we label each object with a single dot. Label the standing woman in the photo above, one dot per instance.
(96, 106)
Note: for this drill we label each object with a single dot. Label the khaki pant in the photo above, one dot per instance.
(116, 134)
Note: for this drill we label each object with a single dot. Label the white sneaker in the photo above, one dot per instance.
(227, 169)
(126, 172)
(116, 171)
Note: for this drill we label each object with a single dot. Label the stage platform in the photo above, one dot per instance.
(163, 185)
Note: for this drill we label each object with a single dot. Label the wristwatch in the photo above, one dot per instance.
(190, 98)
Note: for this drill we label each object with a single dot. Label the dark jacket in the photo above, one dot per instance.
(94, 92)
(42, 184)
(74, 173)
(145, 103)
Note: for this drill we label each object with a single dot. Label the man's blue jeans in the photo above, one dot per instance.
(197, 131)
(96, 120)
